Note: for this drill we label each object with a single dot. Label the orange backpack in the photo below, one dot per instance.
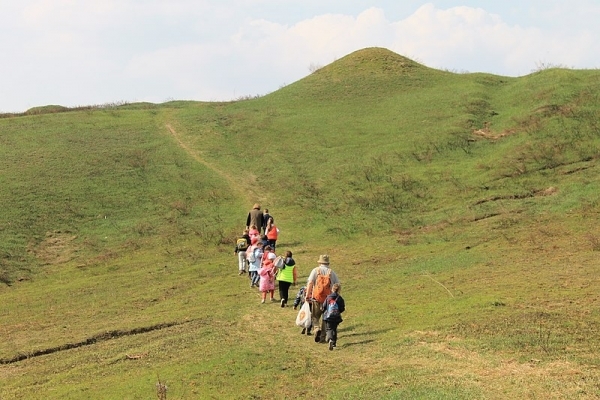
(322, 287)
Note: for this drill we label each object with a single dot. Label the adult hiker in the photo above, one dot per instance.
(286, 276)
(255, 217)
(318, 287)
(241, 245)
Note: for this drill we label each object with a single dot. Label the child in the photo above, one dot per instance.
(333, 307)
(266, 217)
(299, 302)
(267, 277)
(272, 232)
(265, 240)
(241, 246)
(253, 232)
(254, 252)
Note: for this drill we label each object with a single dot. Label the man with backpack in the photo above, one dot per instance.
(318, 287)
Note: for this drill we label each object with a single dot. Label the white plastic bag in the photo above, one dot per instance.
(279, 262)
(304, 316)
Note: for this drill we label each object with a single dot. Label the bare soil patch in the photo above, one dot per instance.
(56, 248)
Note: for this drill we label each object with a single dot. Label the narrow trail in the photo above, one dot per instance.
(245, 190)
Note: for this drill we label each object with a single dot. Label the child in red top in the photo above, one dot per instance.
(272, 232)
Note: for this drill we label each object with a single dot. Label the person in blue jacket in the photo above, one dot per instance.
(333, 307)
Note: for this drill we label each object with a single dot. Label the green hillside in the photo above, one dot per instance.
(459, 210)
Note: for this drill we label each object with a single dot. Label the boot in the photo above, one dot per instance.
(318, 336)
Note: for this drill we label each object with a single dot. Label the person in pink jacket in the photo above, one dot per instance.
(267, 277)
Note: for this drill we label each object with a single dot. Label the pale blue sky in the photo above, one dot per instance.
(87, 52)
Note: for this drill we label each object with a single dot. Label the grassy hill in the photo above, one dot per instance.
(459, 210)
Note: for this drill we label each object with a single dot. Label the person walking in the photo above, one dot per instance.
(241, 245)
(286, 276)
(254, 256)
(272, 233)
(333, 307)
(299, 302)
(318, 287)
(266, 217)
(255, 217)
(267, 277)
(253, 232)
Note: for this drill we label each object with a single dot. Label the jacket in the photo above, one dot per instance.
(255, 217)
(341, 306)
(288, 272)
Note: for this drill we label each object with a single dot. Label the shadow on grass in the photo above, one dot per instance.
(356, 343)
(352, 329)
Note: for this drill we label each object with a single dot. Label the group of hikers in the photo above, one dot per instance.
(320, 297)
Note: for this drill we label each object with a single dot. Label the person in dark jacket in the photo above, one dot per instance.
(333, 307)
(287, 276)
(241, 245)
(266, 217)
(255, 217)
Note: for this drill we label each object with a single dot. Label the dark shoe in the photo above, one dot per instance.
(295, 307)
(331, 344)
(303, 331)
(308, 332)
(282, 303)
(318, 336)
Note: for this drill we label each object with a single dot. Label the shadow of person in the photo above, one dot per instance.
(344, 345)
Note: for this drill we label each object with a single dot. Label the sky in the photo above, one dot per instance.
(94, 52)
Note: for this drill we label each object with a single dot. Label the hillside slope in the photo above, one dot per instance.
(459, 210)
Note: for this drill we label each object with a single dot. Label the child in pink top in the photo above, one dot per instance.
(267, 277)
(253, 232)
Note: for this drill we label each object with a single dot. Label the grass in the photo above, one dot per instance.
(459, 211)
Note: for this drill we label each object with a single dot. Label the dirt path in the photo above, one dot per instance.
(244, 189)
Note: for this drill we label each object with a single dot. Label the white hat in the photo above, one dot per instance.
(271, 256)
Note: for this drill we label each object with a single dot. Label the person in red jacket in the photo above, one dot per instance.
(272, 233)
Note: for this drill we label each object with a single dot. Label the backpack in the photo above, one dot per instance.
(331, 309)
(322, 287)
(241, 244)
